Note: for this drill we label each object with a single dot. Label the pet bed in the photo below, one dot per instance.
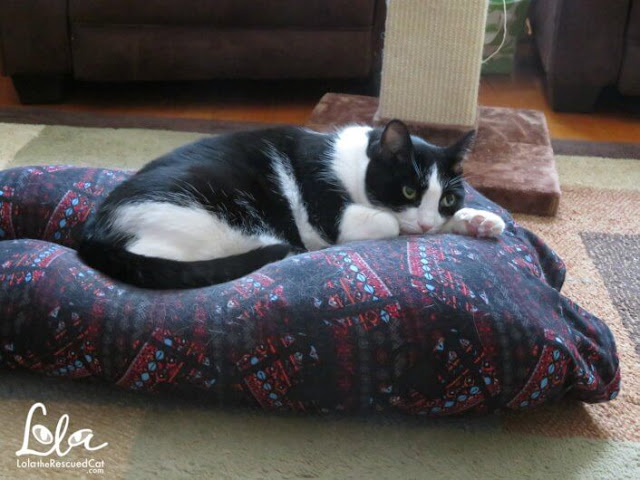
(433, 325)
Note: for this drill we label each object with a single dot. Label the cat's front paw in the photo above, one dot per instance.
(364, 223)
(479, 223)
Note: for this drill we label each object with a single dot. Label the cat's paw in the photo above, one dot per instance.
(364, 223)
(479, 223)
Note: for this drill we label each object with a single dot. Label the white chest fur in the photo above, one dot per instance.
(349, 161)
(311, 238)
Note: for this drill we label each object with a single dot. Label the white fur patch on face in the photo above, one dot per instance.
(349, 161)
(425, 218)
(408, 220)
(187, 234)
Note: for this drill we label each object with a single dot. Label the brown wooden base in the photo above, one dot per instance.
(512, 161)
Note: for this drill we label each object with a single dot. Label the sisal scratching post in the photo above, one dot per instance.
(430, 78)
(432, 60)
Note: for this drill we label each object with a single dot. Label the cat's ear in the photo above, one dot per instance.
(396, 140)
(459, 150)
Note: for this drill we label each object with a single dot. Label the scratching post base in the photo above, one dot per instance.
(512, 161)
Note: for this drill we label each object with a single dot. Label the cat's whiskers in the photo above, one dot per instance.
(419, 172)
(453, 182)
(466, 176)
(460, 179)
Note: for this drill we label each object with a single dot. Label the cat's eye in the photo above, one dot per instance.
(409, 193)
(448, 200)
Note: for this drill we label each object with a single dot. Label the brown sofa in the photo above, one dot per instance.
(586, 45)
(45, 42)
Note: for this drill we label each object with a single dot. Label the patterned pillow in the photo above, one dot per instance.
(432, 325)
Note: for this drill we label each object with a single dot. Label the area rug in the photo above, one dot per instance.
(596, 231)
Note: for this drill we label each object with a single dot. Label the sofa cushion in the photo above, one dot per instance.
(130, 53)
(434, 325)
(228, 13)
(34, 37)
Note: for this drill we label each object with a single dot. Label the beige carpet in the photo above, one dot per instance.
(597, 232)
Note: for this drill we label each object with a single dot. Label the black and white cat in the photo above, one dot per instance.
(224, 206)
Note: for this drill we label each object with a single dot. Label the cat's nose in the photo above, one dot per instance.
(425, 226)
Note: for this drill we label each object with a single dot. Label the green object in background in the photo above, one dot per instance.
(517, 10)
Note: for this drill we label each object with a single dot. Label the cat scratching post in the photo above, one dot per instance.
(432, 60)
(430, 78)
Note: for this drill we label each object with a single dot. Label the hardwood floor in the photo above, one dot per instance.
(611, 122)
(292, 102)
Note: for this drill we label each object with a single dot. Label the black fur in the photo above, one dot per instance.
(398, 159)
(219, 171)
(160, 273)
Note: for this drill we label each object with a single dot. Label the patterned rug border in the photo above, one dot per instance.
(53, 117)
(35, 115)
(585, 148)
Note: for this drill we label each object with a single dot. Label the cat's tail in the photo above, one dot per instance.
(159, 273)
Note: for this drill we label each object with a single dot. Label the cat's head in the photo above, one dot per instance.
(419, 182)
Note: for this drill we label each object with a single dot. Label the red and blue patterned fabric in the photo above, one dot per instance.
(432, 325)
